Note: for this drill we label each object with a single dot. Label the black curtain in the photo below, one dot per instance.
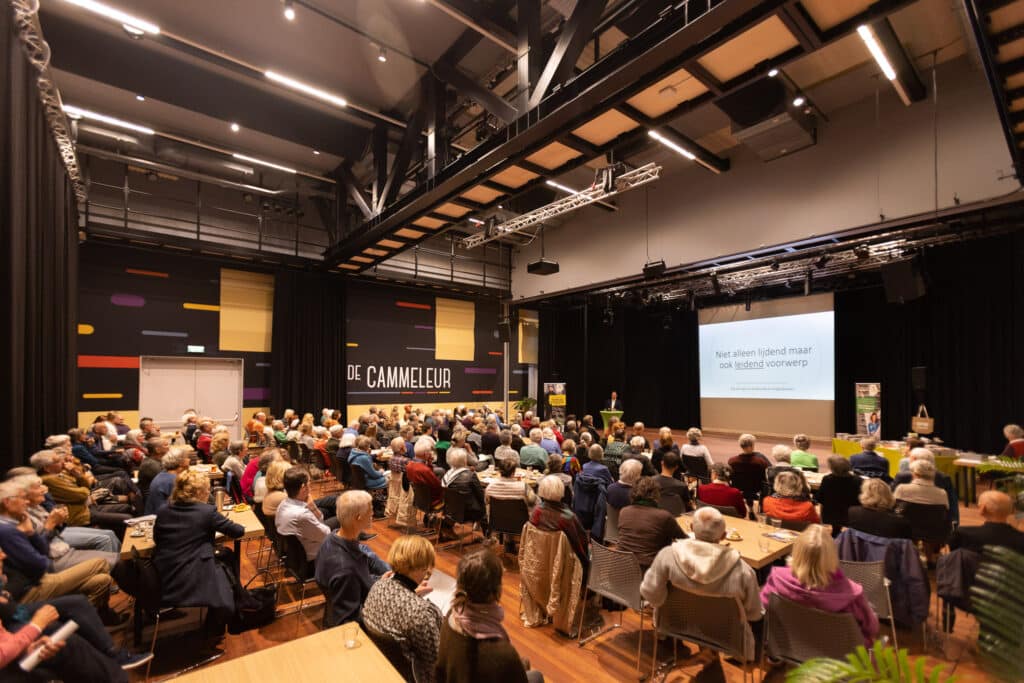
(38, 228)
(308, 353)
(561, 350)
(967, 330)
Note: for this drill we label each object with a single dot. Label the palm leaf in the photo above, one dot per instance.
(995, 601)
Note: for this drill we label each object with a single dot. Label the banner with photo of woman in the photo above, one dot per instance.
(868, 400)
(554, 401)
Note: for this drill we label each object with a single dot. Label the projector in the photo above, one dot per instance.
(654, 268)
(543, 266)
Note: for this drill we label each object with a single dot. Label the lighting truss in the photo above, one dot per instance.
(627, 181)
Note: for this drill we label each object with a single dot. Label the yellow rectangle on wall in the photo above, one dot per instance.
(454, 329)
(529, 332)
(246, 310)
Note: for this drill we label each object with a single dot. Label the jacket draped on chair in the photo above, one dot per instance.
(551, 580)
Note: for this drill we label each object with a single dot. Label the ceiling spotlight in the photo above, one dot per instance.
(235, 128)
(289, 10)
(775, 264)
(310, 90)
(247, 197)
(476, 221)
(773, 73)
(822, 261)
(679, 149)
(316, 153)
(861, 251)
(799, 100)
(382, 55)
(134, 31)
(140, 98)
(133, 25)
(79, 113)
(268, 164)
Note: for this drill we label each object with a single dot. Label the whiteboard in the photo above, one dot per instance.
(168, 386)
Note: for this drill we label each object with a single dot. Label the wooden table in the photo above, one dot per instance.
(750, 531)
(248, 519)
(212, 471)
(318, 657)
(532, 479)
(966, 477)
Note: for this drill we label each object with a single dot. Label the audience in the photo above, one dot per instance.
(670, 485)
(874, 515)
(550, 514)
(396, 603)
(922, 489)
(507, 487)
(534, 454)
(174, 463)
(799, 457)
(298, 514)
(419, 471)
(869, 463)
(618, 494)
(748, 468)
(1014, 442)
(814, 579)
(719, 492)
(788, 501)
(152, 464)
(839, 491)
(274, 487)
(995, 508)
(474, 645)
(570, 463)
(941, 480)
(376, 482)
(463, 480)
(694, 447)
(645, 528)
(71, 486)
(663, 445)
(345, 568)
(595, 468)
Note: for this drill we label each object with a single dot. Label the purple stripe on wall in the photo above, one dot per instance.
(480, 371)
(131, 300)
(255, 393)
(424, 327)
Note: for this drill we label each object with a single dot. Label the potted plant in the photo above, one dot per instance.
(524, 404)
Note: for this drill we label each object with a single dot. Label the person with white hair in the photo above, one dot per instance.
(462, 479)
(618, 492)
(789, 500)
(517, 437)
(869, 463)
(280, 434)
(693, 445)
(533, 454)
(548, 441)
(551, 514)
(174, 463)
(504, 449)
(1014, 434)
(420, 471)
(702, 565)
(800, 457)
(345, 568)
(922, 489)
(942, 480)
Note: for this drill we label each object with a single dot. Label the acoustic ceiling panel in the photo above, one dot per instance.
(667, 94)
(768, 39)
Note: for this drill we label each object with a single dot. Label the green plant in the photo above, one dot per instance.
(524, 404)
(1001, 465)
(995, 599)
(884, 663)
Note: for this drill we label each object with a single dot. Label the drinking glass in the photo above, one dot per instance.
(762, 520)
(777, 524)
(350, 635)
(764, 544)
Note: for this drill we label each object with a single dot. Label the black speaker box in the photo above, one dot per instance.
(505, 330)
(903, 281)
(919, 378)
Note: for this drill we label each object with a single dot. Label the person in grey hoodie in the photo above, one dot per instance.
(702, 565)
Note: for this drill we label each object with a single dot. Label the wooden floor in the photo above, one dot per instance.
(610, 658)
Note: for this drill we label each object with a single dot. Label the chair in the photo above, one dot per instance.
(616, 575)
(234, 487)
(795, 633)
(672, 503)
(749, 482)
(455, 510)
(394, 647)
(716, 622)
(357, 479)
(296, 564)
(727, 510)
(257, 509)
(507, 516)
(696, 466)
(611, 525)
(871, 577)
(792, 524)
(293, 451)
(930, 523)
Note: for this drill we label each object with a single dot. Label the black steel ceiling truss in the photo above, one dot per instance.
(343, 176)
(400, 164)
(568, 47)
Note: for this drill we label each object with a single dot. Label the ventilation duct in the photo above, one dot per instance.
(765, 120)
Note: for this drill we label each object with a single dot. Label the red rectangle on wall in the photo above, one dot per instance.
(108, 362)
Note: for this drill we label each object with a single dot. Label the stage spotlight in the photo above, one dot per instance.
(773, 73)
(822, 261)
(775, 264)
(799, 100)
(715, 284)
(861, 251)
(382, 55)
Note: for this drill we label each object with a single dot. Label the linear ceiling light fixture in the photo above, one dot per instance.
(563, 188)
(120, 137)
(79, 113)
(117, 15)
(310, 90)
(261, 162)
(868, 36)
(679, 149)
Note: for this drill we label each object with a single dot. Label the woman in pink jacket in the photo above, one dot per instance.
(814, 579)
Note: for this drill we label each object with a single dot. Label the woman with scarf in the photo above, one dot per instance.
(474, 643)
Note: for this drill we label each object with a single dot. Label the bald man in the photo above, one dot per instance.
(995, 507)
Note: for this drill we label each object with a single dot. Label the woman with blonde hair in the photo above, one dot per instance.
(814, 579)
(275, 486)
(874, 515)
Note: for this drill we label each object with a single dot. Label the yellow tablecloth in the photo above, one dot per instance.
(892, 453)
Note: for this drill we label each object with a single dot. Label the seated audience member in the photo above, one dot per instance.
(814, 579)
(175, 462)
(133, 446)
(799, 457)
(376, 482)
(419, 470)
(274, 487)
(463, 480)
(259, 483)
(570, 431)
(70, 486)
(298, 514)
(280, 434)
(748, 468)
(50, 524)
(788, 500)
(645, 528)
(548, 441)
(869, 463)
(909, 444)
(942, 481)
(88, 453)
(618, 494)
(474, 644)
(1014, 442)
(874, 515)
(183, 552)
(595, 467)
(615, 447)
(693, 446)
(570, 463)
(517, 437)
(219, 448)
(702, 565)
(505, 450)
(995, 508)
(636, 452)
(839, 491)
(30, 577)
(922, 489)
(396, 603)
(346, 569)
(552, 515)
(587, 425)
(719, 492)
(533, 454)
(780, 460)
(235, 462)
(87, 656)
(507, 487)
(670, 485)
(204, 439)
(638, 430)
(662, 445)
(152, 464)
(490, 440)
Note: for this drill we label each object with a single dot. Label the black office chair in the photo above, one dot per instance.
(696, 466)
(749, 482)
(423, 501)
(455, 511)
(727, 510)
(297, 566)
(672, 503)
(507, 517)
(293, 451)
(357, 479)
(394, 647)
(929, 523)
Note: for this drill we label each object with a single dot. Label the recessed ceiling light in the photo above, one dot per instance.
(140, 98)
(799, 100)
(773, 73)
(131, 24)
(382, 55)
(78, 113)
(306, 88)
(261, 162)
(235, 128)
(316, 153)
(289, 10)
